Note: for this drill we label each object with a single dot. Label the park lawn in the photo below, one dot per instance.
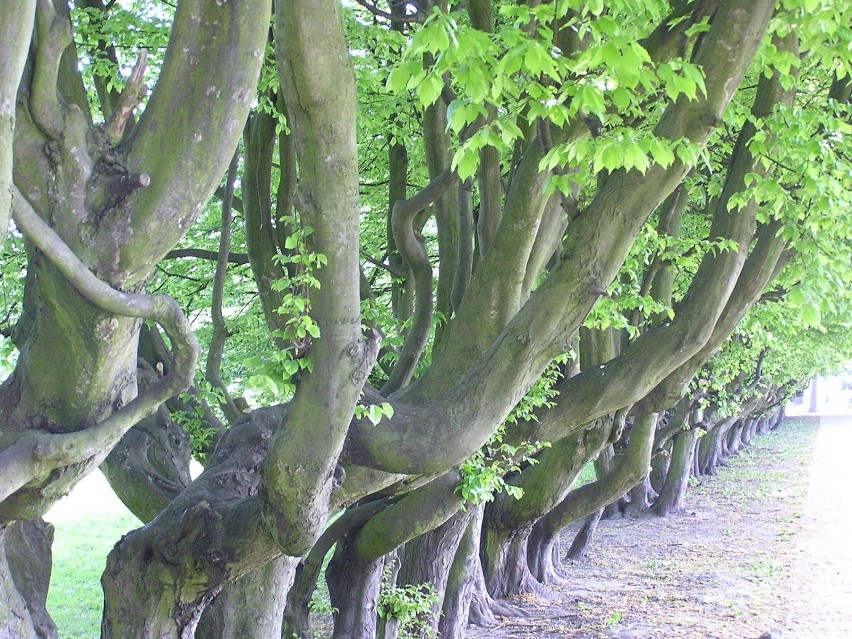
(80, 548)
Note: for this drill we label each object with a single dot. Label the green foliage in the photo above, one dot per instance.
(193, 421)
(374, 412)
(8, 357)
(524, 73)
(320, 604)
(410, 606)
(274, 372)
(109, 42)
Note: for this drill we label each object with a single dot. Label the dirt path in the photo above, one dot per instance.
(823, 573)
(766, 545)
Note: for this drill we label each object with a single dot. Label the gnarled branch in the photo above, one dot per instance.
(35, 453)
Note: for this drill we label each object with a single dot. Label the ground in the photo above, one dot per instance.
(758, 548)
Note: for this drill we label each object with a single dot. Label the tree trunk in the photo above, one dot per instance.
(670, 499)
(642, 495)
(354, 585)
(466, 598)
(584, 536)
(429, 559)
(504, 563)
(709, 449)
(734, 437)
(660, 466)
(458, 592)
(603, 464)
(252, 606)
(749, 430)
(15, 619)
(25, 565)
(543, 556)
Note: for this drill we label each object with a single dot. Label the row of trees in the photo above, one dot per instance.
(460, 251)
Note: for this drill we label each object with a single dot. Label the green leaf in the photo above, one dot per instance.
(430, 90)
(811, 315)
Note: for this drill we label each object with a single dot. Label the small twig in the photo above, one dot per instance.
(128, 100)
(372, 260)
(216, 348)
(417, 17)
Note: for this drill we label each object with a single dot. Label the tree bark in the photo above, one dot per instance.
(670, 499)
(458, 592)
(25, 566)
(354, 584)
(16, 28)
(429, 559)
(252, 606)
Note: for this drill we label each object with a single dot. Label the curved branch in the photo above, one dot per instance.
(412, 248)
(36, 453)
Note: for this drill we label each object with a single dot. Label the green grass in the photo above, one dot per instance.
(80, 548)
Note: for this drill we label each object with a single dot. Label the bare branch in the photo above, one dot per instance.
(129, 99)
(220, 330)
(372, 8)
(204, 254)
(390, 269)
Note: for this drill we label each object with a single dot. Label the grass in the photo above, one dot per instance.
(80, 548)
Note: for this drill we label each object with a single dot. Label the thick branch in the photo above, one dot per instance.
(629, 471)
(319, 83)
(209, 40)
(53, 35)
(36, 452)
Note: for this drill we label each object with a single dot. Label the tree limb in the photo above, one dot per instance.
(35, 453)
(412, 249)
(53, 35)
(204, 254)
(129, 99)
(216, 348)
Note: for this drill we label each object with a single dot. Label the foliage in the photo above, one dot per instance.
(193, 421)
(484, 473)
(410, 606)
(374, 412)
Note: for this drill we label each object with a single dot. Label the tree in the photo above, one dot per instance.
(560, 150)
